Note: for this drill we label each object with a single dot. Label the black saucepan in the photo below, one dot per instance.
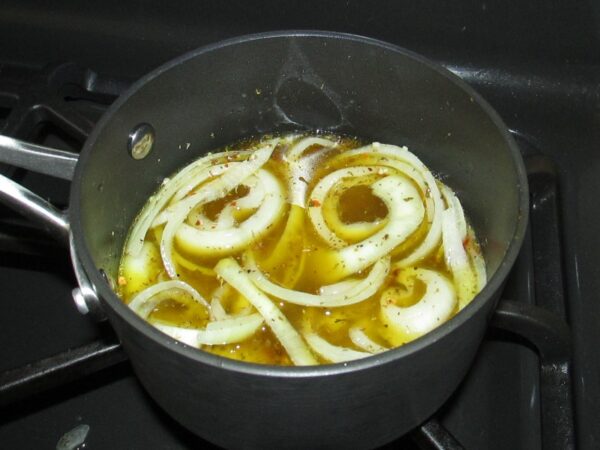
(278, 82)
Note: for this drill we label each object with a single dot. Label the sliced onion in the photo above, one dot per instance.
(144, 302)
(217, 312)
(165, 193)
(226, 219)
(230, 159)
(465, 261)
(405, 214)
(339, 288)
(212, 190)
(188, 336)
(320, 192)
(330, 352)
(222, 332)
(453, 203)
(201, 177)
(227, 331)
(226, 241)
(417, 206)
(362, 341)
(232, 273)
(457, 259)
(295, 152)
(192, 266)
(252, 200)
(140, 268)
(359, 291)
(477, 260)
(435, 307)
(291, 241)
(356, 231)
(398, 158)
(244, 327)
(301, 168)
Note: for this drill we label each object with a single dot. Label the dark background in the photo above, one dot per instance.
(132, 37)
(537, 62)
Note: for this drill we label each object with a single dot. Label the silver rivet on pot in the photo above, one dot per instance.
(80, 302)
(141, 140)
(108, 280)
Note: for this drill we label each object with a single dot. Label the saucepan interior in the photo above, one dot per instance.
(238, 89)
(299, 81)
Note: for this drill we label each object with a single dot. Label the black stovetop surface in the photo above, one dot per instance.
(536, 64)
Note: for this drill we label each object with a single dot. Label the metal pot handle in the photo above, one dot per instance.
(551, 337)
(49, 161)
(56, 163)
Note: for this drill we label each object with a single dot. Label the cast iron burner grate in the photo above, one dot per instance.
(58, 106)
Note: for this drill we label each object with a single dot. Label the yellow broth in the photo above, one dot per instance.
(299, 262)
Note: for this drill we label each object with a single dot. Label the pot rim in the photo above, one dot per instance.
(110, 298)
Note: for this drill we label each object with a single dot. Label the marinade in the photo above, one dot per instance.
(301, 249)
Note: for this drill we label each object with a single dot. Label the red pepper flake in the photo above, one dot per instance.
(466, 241)
(233, 203)
(313, 202)
(122, 281)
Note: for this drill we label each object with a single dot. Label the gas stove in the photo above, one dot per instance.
(534, 384)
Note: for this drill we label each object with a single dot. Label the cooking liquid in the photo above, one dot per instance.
(302, 264)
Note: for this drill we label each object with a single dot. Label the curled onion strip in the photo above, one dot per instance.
(217, 312)
(227, 331)
(231, 158)
(145, 301)
(188, 336)
(193, 266)
(434, 308)
(212, 190)
(229, 240)
(207, 173)
(341, 287)
(226, 219)
(476, 259)
(301, 168)
(457, 259)
(321, 191)
(456, 256)
(232, 273)
(330, 352)
(140, 268)
(362, 341)
(405, 214)
(359, 290)
(158, 201)
(291, 240)
(453, 203)
(295, 152)
(464, 260)
(394, 157)
(221, 332)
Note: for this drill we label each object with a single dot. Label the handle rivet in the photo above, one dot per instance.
(141, 140)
